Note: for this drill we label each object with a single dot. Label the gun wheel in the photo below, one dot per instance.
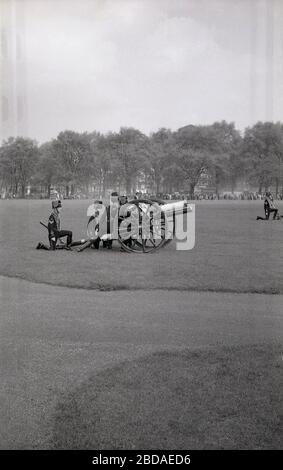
(147, 231)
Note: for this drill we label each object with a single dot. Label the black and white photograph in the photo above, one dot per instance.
(141, 229)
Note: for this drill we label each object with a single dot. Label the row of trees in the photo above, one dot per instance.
(165, 161)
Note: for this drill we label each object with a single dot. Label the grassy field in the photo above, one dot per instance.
(210, 416)
(233, 252)
(171, 350)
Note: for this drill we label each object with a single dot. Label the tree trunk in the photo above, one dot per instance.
(67, 190)
(277, 186)
(217, 183)
(100, 185)
(134, 186)
(23, 191)
(158, 181)
(128, 185)
(104, 184)
(217, 189)
(260, 188)
(192, 190)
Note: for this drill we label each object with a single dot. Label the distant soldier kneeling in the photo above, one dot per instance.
(54, 227)
(269, 207)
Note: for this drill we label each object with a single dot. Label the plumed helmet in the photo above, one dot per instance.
(56, 204)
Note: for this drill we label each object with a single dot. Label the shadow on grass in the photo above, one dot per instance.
(224, 398)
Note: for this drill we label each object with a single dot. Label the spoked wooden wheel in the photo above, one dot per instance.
(147, 231)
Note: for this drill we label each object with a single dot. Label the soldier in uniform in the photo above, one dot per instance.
(269, 207)
(111, 211)
(54, 227)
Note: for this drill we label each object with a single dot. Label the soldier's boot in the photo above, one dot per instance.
(52, 244)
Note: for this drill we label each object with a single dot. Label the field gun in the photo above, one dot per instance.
(139, 225)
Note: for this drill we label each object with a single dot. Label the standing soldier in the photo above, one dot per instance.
(54, 227)
(111, 212)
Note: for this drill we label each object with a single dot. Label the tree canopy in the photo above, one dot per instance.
(164, 161)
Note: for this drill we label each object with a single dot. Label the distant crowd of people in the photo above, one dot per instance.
(236, 196)
(198, 196)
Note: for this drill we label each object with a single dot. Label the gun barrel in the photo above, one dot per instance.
(177, 208)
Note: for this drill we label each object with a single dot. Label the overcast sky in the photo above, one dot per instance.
(99, 64)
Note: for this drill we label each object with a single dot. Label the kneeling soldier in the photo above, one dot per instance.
(54, 227)
(269, 206)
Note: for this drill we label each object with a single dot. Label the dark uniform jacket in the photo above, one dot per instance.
(54, 223)
(269, 202)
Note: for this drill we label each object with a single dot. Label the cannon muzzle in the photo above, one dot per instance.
(177, 208)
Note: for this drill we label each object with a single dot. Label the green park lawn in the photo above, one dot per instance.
(202, 399)
(233, 252)
(140, 367)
